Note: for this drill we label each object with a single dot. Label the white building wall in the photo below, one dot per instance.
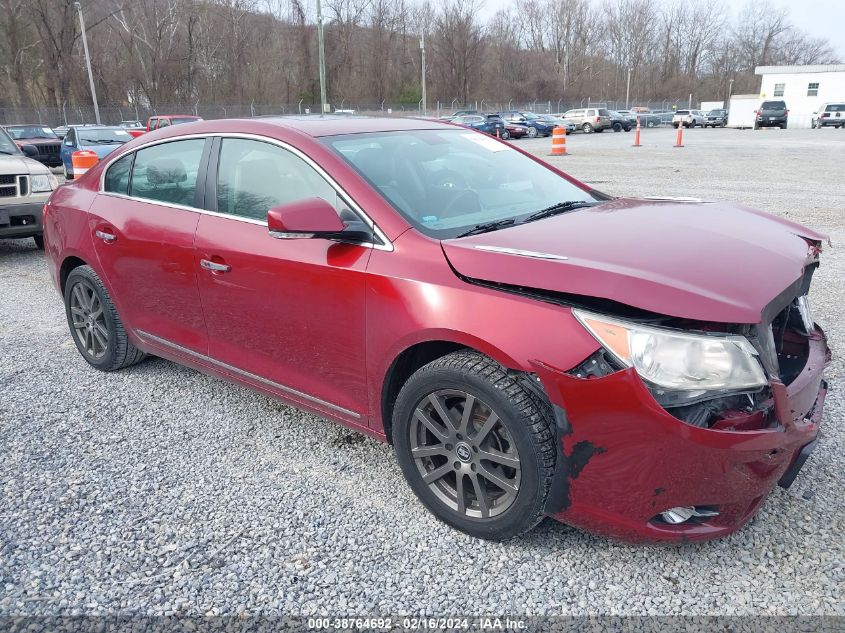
(831, 80)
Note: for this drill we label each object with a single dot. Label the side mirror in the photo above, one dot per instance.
(313, 218)
(29, 150)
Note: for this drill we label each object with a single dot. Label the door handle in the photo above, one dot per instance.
(214, 266)
(106, 237)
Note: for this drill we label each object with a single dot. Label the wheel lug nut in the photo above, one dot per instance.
(457, 465)
(472, 467)
(449, 447)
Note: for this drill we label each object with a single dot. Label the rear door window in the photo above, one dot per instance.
(117, 177)
(168, 172)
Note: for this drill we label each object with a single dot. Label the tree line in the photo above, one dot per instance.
(162, 52)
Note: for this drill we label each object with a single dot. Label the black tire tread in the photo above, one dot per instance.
(533, 409)
(125, 354)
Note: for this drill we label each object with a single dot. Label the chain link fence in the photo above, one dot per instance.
(111, 115)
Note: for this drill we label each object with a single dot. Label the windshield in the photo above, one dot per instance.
(99, 136)
(30, 131)
(176, 120)
(530, 116)
(715, 113)
(447, 181)
(6, 144)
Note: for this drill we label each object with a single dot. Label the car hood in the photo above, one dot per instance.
(15, 165)
(101, 150)
(37, 141)
(706, 261)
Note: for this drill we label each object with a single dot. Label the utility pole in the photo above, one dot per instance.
(322, 59)
(424, 100)
(628, 90)
(88, 62)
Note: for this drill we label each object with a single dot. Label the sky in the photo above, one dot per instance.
(820, 18)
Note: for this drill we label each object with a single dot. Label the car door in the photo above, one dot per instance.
(286, 313)
(68, 149)
(143, 226)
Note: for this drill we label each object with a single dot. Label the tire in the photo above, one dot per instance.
(650, 124)
(587, 128)
(676, 125)
(532, 132)
(617, 127)
(505, 135)
(84, 288)
(691, 124)
(521, 434)
(39, 241)
(68, 176)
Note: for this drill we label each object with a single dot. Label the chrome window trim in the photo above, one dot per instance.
(520, 253)
(387, 245)
(246, 374)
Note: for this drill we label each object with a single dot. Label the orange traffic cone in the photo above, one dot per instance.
(558, 142)
(637, 134)
(679, 140)
(83, 160)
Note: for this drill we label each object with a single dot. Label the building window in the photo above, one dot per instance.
(813, 90)
(779, 90)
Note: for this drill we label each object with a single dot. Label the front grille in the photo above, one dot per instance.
(49, 150)
(12, 186)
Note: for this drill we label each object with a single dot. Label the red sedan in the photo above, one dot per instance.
(645, 369)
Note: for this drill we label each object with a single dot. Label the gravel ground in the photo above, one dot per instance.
(157, 490)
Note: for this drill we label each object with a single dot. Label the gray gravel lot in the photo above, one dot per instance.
(159, 490)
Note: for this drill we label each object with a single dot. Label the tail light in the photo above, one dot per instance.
(598, 119)
(823, 115)
(786, 113)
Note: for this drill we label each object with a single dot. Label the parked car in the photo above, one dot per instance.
(554, 121)
(588, 120)
(42, 138)
(830, 114)
(619, 122)
(663, 116)
(25, 185)
(61, 131)
(646, 119)
(536, 125)
(688, 118)
(165, 120)
(135, 128)
(716, 118)
(489, 124)
(101, 139)
(528, 345)
(771, 114)
(515, 130)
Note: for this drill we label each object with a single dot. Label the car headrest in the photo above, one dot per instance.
(166, 171)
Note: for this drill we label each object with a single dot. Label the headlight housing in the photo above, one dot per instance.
(40, 183)
(679, 367)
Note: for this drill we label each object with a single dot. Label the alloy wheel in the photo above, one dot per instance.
(532, 132)
(89, 320)
(465, 454)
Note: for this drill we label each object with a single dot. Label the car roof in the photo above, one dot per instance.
(88, 126)
(316, 125)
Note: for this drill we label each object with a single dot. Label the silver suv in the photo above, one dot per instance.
(25, 185)
(688, 118)
(588, 120)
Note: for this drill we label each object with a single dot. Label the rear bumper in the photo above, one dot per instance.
(24, 219)
(624, 459)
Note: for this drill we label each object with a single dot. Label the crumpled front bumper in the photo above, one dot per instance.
(624, 459)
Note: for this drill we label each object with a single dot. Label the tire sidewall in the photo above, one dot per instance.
(76, 276)
(521, 515)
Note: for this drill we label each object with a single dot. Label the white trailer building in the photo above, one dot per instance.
(804, 88)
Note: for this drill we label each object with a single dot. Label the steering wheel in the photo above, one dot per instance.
(450, 179)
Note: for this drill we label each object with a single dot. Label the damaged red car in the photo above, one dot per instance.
(644, 369)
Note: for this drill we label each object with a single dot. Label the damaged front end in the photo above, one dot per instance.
(657, 451)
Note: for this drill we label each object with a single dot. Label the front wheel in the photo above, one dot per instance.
(505, 135)
(474, 442)
(68, 175)
(94, 323)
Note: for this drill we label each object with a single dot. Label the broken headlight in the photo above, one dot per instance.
(678, 367)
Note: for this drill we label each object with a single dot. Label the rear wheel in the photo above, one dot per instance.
(588, 129)
(617, 126)
(94, 323)
(650, 124)
(68, 175)
(505, 135)
(475, 444)
(532, 132)
(39, 241)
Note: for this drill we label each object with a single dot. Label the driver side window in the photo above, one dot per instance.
(254, 176)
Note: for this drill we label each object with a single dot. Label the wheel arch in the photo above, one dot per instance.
(68, 264)
(414, 356)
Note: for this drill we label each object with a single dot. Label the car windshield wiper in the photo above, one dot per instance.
(487, 227)
(560, 207)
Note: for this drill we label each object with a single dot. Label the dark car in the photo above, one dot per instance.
(716, 118)
(771, 114)
(619, 122)
(535, 124)
(43, 138)
(489, 123)
(529, 346)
